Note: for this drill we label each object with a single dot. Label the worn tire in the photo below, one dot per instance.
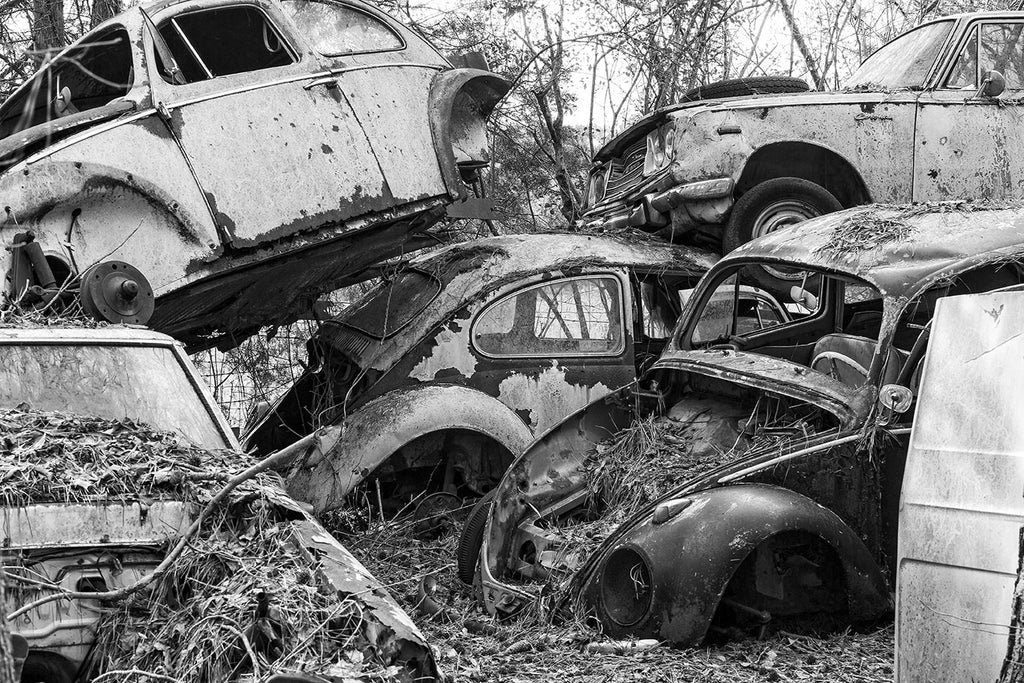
(741, 87)
(472, 538)
(769, 206)
(45, 667)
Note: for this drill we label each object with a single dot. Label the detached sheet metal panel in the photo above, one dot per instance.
(962, 508)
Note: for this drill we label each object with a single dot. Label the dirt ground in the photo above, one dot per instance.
(522, 652)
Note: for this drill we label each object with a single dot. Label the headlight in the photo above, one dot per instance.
(598, 181)
(626, 589)
(660, 148)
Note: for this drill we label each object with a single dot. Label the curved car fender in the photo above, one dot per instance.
(694, 554)
(348, 452)
(458, 98)
(107, 212)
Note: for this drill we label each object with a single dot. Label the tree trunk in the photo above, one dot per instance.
(103, 10)
(6, 652)
(47, 27)
(805, 51)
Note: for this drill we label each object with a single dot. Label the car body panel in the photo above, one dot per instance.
(961, 512)
(214, 212)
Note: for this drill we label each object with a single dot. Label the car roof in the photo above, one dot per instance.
(896, 247)
(532, 252)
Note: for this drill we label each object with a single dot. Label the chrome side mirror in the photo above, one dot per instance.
(992, 84)
(895, 397)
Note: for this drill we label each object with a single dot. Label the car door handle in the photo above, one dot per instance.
(330, 82)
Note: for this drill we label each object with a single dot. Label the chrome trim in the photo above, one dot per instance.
(188, 44)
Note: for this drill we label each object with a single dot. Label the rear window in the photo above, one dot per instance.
(145, 384)
(335, 29)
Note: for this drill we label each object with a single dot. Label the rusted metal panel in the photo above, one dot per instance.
(962, 513)
(71, 525)
(347, 453)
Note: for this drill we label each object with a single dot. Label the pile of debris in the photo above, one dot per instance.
(241, 592)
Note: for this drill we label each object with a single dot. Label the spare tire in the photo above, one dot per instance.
(472, 538)
(740, 87)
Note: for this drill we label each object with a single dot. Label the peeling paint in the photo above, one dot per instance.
(553, 391)
(450, 353)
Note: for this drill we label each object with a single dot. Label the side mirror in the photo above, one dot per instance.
(992, 84)
(895, 397)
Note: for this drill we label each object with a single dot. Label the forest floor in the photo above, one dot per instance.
(519, 651)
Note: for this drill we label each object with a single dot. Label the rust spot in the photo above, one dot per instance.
(868, 107)
(326, 149)
(933, 174)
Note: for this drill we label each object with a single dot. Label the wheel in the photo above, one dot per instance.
(47, 667)
(472, 538)
(739, 87)
(769, 206)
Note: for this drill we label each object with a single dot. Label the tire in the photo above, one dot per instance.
(472, 538)
(46, 667)
(741, 87)
(770, 206)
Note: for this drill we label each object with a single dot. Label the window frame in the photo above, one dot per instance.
(282, 35)
(603, 275)
(974, 26)
(380, 18)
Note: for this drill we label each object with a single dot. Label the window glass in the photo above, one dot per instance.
(1001, 49)
(906, 61)
(965, 71)
(334, 29)
(89, 75)
(221, 42)
(575, 316)
(733, 311)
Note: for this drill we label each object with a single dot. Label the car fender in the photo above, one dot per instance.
(346, 453)
(694, 555)
(460, 101)
(105, 212)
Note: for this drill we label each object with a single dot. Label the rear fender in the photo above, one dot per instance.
(346, 453)
(104, 212)
(460, 102)
(694, 555)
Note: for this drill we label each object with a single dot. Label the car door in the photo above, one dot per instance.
(274, 145)
(385, 72)
(550, 348)
(968, 146)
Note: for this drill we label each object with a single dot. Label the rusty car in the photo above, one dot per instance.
(244, 156)
(432, 382)
(930, 116)
(958, 587)
(751, 478)
(90, 545)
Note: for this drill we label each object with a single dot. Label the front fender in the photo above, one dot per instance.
(693, 557)
(348, 452)
(460, 102)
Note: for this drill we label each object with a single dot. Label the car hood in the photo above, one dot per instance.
(772, 374)
(616, 145)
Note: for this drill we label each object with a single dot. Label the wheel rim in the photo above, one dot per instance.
(778, 215)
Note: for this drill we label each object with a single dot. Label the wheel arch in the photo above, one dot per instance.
(348, 452)
(695, 555)
(809, 161)
(460, 102)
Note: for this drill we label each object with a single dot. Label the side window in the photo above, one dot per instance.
(991, 46)
(965, 70)
(220, 42)
(335, 29)
(89, 75)
(567, 317)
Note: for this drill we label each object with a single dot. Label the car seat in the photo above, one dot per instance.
(847, 358)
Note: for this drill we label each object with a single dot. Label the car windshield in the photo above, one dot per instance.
(790, 314)
(146, 384)
(905, 62)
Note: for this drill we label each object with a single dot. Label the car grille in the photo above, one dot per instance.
(627, 170)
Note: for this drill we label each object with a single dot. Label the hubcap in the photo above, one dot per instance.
(778, 215)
